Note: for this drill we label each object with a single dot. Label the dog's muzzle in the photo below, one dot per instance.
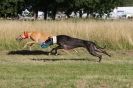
(19, 39)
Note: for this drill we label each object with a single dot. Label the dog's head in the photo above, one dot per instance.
(24, 35)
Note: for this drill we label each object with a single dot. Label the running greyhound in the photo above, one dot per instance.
(67, 42)
(36, 37)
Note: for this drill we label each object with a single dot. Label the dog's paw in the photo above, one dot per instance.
(56, 54)
(49, 53)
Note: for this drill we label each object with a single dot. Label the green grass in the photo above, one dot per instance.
(66, 71)
(70, 69)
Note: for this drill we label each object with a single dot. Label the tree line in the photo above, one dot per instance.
(11, 8)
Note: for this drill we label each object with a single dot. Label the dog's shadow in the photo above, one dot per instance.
(63, 59)
(28, 52)
(39, 52)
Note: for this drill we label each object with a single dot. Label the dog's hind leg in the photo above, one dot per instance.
(92, 51)
(102, 51)
(97, 55)
(106, 53)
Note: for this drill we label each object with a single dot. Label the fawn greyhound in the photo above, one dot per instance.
(36, 37)
(67, 42)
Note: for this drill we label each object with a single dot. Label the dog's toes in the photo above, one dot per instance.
(109, 55)
(49, 53)
(57, 54)
(54, 54)
(30, 49)
(99, 61)
(25, 46)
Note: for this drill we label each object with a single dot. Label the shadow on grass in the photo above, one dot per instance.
(39, 52)
(28, 52)
(72, 59)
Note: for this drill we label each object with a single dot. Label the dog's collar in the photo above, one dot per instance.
(54, 39)
(26, 35)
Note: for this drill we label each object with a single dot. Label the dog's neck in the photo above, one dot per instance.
(27, 34)
(54, 39)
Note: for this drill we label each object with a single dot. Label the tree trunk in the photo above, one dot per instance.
(88, 13)
(54, 13)
(80, 13)
(45, 13)
(68, 12)
(35, 14)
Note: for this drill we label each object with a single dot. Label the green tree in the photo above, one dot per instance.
(100, 7)
(127, 2)
(10, 8)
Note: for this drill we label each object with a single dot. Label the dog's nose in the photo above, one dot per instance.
(16, 38)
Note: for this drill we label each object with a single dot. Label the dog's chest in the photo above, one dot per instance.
(66, 47)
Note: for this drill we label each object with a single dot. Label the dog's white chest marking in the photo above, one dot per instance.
(54, 39)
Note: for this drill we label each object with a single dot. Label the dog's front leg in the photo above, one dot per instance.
(55, 50)
(29, 44)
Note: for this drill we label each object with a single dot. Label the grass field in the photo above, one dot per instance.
(66, 70)
(114, 34)
(35, 69)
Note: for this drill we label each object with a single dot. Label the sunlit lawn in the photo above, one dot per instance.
(68, 70)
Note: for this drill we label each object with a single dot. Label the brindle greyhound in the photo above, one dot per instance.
(67, 42)
(36, 37)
